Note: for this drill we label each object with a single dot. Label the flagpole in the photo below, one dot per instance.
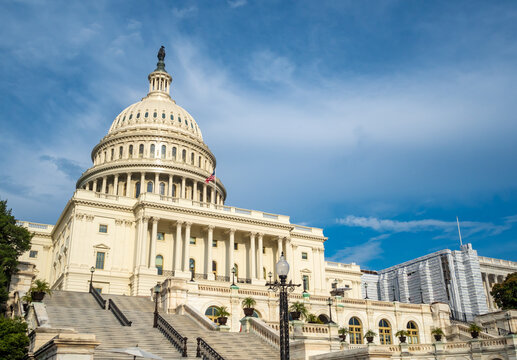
(215, 188)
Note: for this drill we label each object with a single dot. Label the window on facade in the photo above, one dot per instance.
(172, 117)
(130, 116)
(99, 290)
(155, 114)
(235, 246)
(162, 188)
(214, 243)
(174, 153)
(164, 151)
(384, 332)
(179, 119)
(355, 330)
(146, 114)
(163, 115)
(305, 280)
(160, 236)
(138, 115)
(130, 150)
(192, 241)
(211, 313)
(141, 150)
(192, 158)
(112, 154)
(120, 152)
(184, 155)
(150, 187)
(264, 273)
(263, 249)
(103, 228)
(304, 256)
(412, 329)
(192, 265)
(33, 254)
(214, 268)
(137, 189)
(236, 267)
(159, 264)
(99, 260)
(324, 318)
(152, 151)
(199, 161)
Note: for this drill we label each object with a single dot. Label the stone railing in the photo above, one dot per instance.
(32, 225)
(197, 316)
(212, 288)
(252, 292)
(465, 330)
(262, 330)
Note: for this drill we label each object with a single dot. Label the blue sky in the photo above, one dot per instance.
(380, 121)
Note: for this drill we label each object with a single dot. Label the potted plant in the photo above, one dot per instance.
(222, 314)
(342, 333)
(437, 333)
(369, 335)
(474, 329)
(402, 335)
(248, 306)
(313, 319)
(298, 310)
(39, 289)
(27, 299)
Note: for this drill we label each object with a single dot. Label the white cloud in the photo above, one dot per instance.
(185, 12)
(268, 67)
(359, 254)
(236, 3)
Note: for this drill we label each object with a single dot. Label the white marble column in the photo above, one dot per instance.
(183, 190)
(156, 183)
(177, 248)
(143, 242)
(231, 245)
(194, 192)
(208, 265)
(316, 270)
(154, 234)
(129, 192)
(103, 188)
(204, 192)
(322, 270)
(259, 257)
(186, 247)
(212, 197)
(280, 249)
(143, 188)
(169, 189)
(295, 272)
(95, 185)
(115, 185)
(252, 257)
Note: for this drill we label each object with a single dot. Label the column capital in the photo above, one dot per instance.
(260, 235)
(116, 175)
(146, 218)
(188, 224)
(155, 219)
(253, 234)
(210, 227)
(232, 231)
(180, 222)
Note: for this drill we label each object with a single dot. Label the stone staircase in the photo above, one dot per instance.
(80, 311)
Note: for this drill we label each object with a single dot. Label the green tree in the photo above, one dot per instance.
(13, 339)
(14, 241)
(505, 293)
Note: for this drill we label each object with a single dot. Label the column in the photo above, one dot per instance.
(209, 240)
(156, 183)
(177, 251)
(194, 195)
(296, 274)
(252, 257)
(259, 257)
(129, 190)
(115, 185)
(186, 245)
(103, 187)
(183, 180)
(143, 188)
(280, 250)
(169, 189)
(143, 242)
(289, 257)
(321, 253)
(154, 233)
(317, 267)
(231, 245)
(212, 197)
(95, 185)
(204, 192)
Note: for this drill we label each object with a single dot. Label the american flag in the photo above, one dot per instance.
(210, 178)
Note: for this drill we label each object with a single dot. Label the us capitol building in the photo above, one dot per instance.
(144, 214)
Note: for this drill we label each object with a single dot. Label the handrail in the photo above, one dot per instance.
(206, 351)
(98, 297)
(118, 313)
(263, 330)
(171, 334)
(198, 317)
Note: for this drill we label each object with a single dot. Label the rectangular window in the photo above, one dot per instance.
(305, 280)
(99, 262)
(33, 254)
(263, 250)
(214, 243)
(99, 290)
(192, 241)
(160, 236)
(304, 256)
(235, 246)
(103, 229)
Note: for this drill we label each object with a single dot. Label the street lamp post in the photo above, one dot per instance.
(92, 270)
(366, 290)
(329, 303)
(157, 290)
(233, 276)
(191, 272)
(282, 269)
(270, 275)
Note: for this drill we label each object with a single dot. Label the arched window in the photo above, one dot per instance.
(211, 313)
(112, 154)
(199, 161)
(141, 150)
(159, 264)
(173, 190)
(192, 158)
(385, 332)
(323, 318)
(172, 117)
(184, 155)
(236, 270)
(192, 265)
(150, 187)
(214, 267)
(355, 330)
(163, 115)
(146, 114)
(164, 151)
(412, 329)
(138, 115)
(179, 119)
(174, 153)
(152, 151)
(162, 188)
(120, 152)
(155, 114)
(137, 189)
(305, 281)
(256, 314)
(130, 150)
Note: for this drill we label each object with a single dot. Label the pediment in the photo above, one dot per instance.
(101, 246)
(306, 271)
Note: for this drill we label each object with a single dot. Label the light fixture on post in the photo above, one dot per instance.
(270, 275)
(92, 270)
(157, 289)
(233, 275)
(282, 269)
(366, 290)
(329, 303)
(191, 272)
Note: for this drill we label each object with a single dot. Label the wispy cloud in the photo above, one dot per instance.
(185, 12)
(236, 3)
(359, 254)
(68, 167)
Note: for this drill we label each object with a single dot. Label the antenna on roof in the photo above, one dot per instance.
(459, 231)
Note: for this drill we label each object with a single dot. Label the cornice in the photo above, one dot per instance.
(309, 237)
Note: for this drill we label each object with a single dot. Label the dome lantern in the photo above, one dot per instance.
(159, 79)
